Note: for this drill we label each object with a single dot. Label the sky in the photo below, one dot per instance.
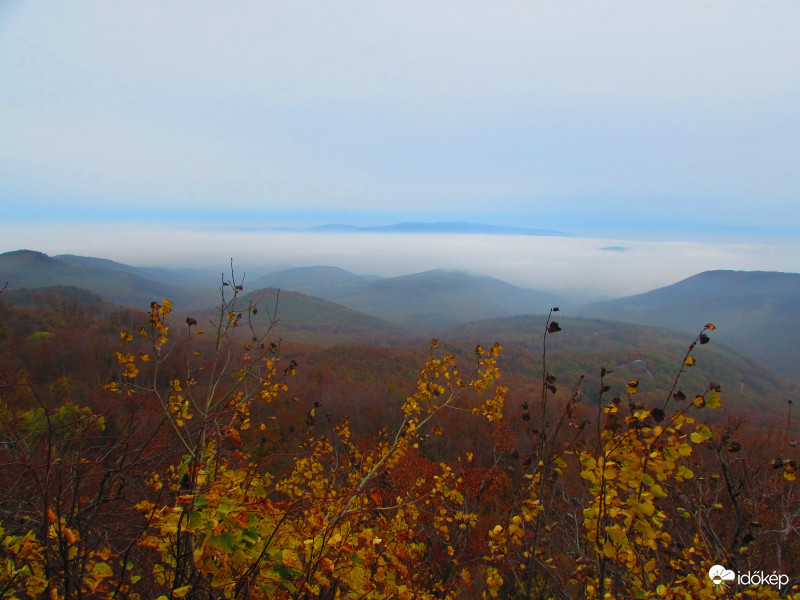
(187, 133)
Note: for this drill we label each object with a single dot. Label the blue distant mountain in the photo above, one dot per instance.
(452, 227)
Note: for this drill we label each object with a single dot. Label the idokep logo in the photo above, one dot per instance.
(720, 576)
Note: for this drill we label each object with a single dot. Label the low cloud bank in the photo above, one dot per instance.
(580, 268)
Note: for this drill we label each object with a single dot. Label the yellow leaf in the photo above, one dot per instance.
(608, 550)
(704, 431)
(290, 559)
(124, 357)
(35, 586)
(689, 361)
(617, 535)
(101, 570)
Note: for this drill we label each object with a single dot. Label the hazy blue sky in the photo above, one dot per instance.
(634, 124)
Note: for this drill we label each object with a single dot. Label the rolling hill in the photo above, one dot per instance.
(423, 302)
(650, 354)
(757, 312)
(322, 282)
(310, 320)
(195, 279)
(29, 269)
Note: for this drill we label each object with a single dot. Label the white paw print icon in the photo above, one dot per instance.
(719, 575)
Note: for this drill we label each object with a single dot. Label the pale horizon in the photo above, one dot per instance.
(187, 134)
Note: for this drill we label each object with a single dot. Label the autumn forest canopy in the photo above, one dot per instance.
(303, 436)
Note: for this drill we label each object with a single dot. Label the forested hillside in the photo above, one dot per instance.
(757, 312)
(420, 301)
(26, 269)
